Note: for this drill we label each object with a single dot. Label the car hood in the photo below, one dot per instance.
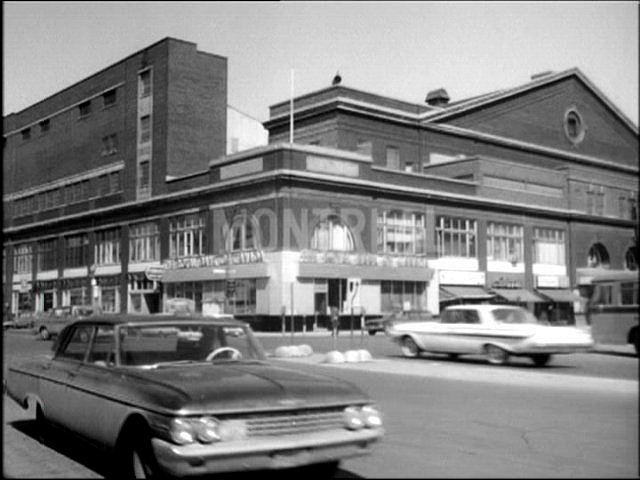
(241, 386)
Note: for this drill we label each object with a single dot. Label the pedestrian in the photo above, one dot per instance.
(334, 321)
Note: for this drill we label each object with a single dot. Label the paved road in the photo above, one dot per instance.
(442, 418)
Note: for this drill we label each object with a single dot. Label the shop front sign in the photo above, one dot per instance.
(455, 277)
(365, 259)
(154, 272)
(235, 258)
(552, 281)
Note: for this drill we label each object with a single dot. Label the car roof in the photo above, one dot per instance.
(118, 319)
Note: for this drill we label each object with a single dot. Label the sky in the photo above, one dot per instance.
(398, 49)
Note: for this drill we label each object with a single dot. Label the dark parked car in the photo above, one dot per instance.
(191, 396)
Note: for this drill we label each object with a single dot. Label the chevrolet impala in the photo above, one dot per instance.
(191, 396)
(496, 331)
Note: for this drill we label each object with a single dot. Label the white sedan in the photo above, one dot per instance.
(496, 331)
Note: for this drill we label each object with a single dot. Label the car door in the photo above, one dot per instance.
(467, 336)
(94, 387)
(60, 372)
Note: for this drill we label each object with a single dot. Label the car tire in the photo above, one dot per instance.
(409, 347)
(496, 355)
(44, 333)
(453, 356)
(541, 359)
(42, 425)
(135, 456)
(372, 332)
(317, 470)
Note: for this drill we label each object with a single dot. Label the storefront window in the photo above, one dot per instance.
(107, 248)
(548, 246)
(456, 237)
(505, 242)
(108, 299)
(401, 233)
(22, 259)
(48, 255)
(398, 296)
(144, 242)
(243, 297)
(332, 234)
(186, 235)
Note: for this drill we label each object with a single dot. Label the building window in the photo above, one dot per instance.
(107, 247)
(332, 234)
(631, 259)
(48, 255)
(144, 86)
(505, 242)
(109, 299)
(76, 248)
(109, 98)
(401, 233)
(84, 109)
(144, 242)
(26, 133)
(574, 127)
(398, 296)
(241, 296)
(456, 237)
(45, 126)
(409, 167)
(109, 145)
(22, 259)
(243, 234)
(598, 256)
(186, 235)
(633, 209)
(145, 129)
(364, 147)
(548, 246)
(115, 184)
(144, 174)
(393, 158)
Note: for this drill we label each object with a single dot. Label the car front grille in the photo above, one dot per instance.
(296, 422)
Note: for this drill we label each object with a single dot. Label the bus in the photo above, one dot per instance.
(612, 310)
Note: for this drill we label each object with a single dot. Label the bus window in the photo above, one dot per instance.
(603, 295)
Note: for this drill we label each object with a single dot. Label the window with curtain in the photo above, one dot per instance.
(505, 242)
(144, 242)
(401, 233)
(548, 246)
(332, 234)
(187, 235)
(107, 247)
(456, 237)
(243, 234)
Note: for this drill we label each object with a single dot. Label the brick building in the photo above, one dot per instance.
(378, 205)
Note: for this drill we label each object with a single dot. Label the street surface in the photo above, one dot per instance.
(578, 417)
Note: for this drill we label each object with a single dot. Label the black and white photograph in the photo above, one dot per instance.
(358, 239)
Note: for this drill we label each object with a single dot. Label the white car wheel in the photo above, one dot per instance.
(409, 347)
(496, 355)
(44, 333)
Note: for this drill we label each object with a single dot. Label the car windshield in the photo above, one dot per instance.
(513, 315)
(155, 346)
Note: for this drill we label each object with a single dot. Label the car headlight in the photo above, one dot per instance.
(207, 429)
(181, 431)
(352, 418)
(370, 417)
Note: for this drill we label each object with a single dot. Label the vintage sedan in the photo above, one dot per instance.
(496, 331)
(183, 396)
(49, 324)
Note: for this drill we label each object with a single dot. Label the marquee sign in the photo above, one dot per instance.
(235, 258)
(367, 259)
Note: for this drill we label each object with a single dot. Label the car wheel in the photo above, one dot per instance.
(409, 347)
(317, 470)
(42, 425)
(44, 333)
(541, 359)
(496, 355)
(372, 332)
(136, 458)
(453, 356)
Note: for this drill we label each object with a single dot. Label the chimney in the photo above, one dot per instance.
(537, 76)
(437, 98)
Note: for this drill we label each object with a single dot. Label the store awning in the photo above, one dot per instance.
(449, 292)
(559, 295)
(518, 295)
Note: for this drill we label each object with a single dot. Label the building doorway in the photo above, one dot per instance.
(337, 288)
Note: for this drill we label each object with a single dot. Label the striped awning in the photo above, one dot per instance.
(453, 292)
(559, 295)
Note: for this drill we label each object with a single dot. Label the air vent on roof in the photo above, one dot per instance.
(337, 79)
(537, 76)
(437, 98)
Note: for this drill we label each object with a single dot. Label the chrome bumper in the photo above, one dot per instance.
(263, 453)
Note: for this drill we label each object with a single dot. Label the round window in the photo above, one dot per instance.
(574, 127)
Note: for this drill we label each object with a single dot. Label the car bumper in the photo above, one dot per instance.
(268, 453)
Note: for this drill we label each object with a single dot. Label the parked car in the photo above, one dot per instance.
(191, 396)
(21, 320)
(52, 322)
(496, 331)
(380, 324)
